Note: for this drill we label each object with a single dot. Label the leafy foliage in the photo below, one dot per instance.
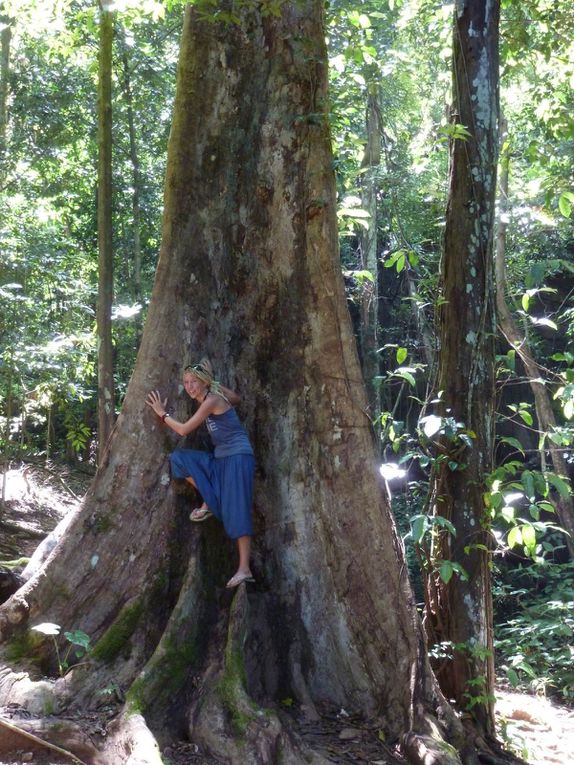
(535, 627)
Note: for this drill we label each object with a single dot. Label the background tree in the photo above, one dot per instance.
(49, 243)
(5, 37)
(106, 397)
(458, 608)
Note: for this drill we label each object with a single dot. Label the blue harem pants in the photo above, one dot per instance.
(225, 483)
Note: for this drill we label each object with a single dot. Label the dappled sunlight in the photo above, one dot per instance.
(391, 471)
(535, 728)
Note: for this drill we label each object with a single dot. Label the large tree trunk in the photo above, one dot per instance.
(459, 612)
(518, 341)
(249, 274)
(106, 403)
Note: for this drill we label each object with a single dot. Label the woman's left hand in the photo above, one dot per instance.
(154, 401)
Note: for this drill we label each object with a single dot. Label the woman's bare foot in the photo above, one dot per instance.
(240, 576)
(200, 514)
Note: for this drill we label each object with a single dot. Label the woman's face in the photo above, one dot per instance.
(194, 387)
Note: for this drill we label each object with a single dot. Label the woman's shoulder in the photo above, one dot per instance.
(218, 404)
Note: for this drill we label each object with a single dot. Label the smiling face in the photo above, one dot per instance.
(194, 387)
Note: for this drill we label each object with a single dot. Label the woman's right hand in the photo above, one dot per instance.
(154, 401)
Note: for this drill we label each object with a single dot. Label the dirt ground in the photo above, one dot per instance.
(38, 496)
(536, 729)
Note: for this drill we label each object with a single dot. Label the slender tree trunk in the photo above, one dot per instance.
(8, 422)
(459, 612)
(369, 259)
(106, 402)
(427, 342)
(518, 341)
(136, 181)
(5, 38)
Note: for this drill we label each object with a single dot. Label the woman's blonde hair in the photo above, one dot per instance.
(204, 372)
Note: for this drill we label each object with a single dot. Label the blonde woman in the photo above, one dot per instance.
(225, 478)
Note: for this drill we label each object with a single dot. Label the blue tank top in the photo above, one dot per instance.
(228, 434)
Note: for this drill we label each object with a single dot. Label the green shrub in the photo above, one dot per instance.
(534, 627)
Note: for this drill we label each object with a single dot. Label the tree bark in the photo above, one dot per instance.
(249, 275)
(136, 180)
(517, 340)
(459, 612)
(369, 260)
(106, 402)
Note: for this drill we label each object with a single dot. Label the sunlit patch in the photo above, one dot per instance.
(126, 311)
(391, 471)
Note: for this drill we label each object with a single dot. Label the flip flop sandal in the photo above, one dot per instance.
(199, 515)
(236, 580)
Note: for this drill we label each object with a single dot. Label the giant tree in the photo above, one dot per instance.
(458, 608)
(248, 274)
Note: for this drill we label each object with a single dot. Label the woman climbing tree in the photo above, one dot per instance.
(224, 479)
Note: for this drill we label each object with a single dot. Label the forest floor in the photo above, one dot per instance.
(37, 496)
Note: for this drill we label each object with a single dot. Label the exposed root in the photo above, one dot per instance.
(38, 697)
(14, 737)
(168, 669)
(226, 721)
(428, 750)
(131, 743)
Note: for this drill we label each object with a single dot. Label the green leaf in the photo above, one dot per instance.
(528, 536)
(419, 525)
(360, 276)
(561, 486)
(396, 259)
(527, 480)
(513, 442)
(446, 571)
(565, 205)
(525, 301)
(513, 677)
(78, 637)
(413, 258)
(514, 537)
(440, 520)
(534, 511)
(526, 416)
(507, 513)
(401, 355)
(544, 322)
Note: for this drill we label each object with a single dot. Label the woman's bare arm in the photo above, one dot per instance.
(206, 408)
